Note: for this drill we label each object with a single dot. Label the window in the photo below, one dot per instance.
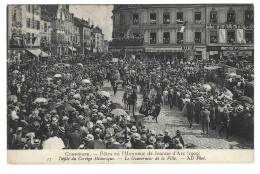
(28, 24)
(32, 23)
(152, 18)
(197, 37)
(135, 18)
(45, 27)
(28, 8)
(213, 16)
(231, 36)
(33, 39)
(231, 17)
(121, 19)
(166, 18)
(28, 37)
(179, 38)
(14, 16)
(33, 9)
(249, 18)
(152, 38)
(179, 18)
(166, 37)
(197, 17)
(249, 36)
(213, 37)
(38, 25)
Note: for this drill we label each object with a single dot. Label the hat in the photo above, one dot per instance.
(152, 140)
(144, 130)
(65, 118)
(109, 119)
(134, 129)
(150, 147)
(98, 130)
(98, 122)
(80, 117)
(36, 141)
(160, 135)
(89, 137)
(166, 131)
(19, 129)
(136, 136)
(143, 137)
(153, 133)
(62, 129)
(178, 132)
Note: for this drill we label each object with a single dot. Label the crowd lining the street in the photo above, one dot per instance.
(61, 105)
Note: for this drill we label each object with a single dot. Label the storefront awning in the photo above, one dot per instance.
(43, 54)
(155, 50)
(72, 49)
(37, 52)
(212, 67)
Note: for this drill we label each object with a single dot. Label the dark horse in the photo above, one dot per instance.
(130, 100)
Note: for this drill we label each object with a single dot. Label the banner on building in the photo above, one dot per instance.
(115, 60)
(183, 27)
(222, 36)
(240, 36)
(132, 57)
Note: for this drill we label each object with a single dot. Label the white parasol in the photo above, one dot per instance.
(104, 93)
(57, 75)
(53, 143)
(85, 81)
(41, 100)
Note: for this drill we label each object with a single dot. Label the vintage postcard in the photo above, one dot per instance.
(130, 83)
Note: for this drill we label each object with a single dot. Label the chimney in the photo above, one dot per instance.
(88, 21)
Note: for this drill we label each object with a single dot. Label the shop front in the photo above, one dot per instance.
(164, 54)
(213, 52)
(241, 52)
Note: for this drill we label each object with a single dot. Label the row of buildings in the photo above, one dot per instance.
(183, 31)
(44, 30)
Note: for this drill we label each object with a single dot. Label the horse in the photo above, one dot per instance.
(129, 101)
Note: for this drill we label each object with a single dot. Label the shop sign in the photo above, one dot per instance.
(237, 48)
(228, 26)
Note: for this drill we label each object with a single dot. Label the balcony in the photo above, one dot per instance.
(127, 42)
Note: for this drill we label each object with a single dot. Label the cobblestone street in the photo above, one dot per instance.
(172, 120)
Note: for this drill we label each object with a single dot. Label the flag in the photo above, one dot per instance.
(183, 27)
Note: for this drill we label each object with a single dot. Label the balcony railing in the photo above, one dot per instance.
(127, 42)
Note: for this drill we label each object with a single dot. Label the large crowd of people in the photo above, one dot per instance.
(56, 105)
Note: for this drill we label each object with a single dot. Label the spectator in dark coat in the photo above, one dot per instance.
(190, 112)
(75, 138)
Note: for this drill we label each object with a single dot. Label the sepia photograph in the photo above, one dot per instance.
(163, 78)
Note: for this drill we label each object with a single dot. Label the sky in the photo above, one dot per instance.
(100, 14)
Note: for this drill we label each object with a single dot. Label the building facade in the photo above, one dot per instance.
(97, 39)
(45, 32)
(84, 35)
(230, 31)
(174, 32)
(63, 30)
(24, 31)
(155, 31)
